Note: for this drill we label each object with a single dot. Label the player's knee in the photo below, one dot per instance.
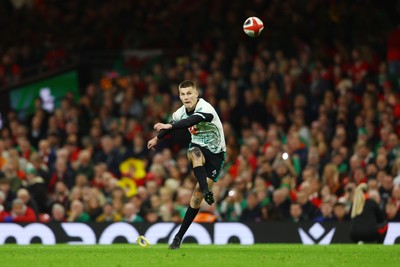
(196, 156)
(195, 152)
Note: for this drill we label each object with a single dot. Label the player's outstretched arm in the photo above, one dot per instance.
(162, 126)
(165, 128)
(192, 120)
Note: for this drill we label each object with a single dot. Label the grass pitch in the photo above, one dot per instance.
(192, 255)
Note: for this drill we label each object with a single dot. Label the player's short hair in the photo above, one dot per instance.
(187, 83)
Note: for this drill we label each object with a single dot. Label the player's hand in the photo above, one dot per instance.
(162, 126)
(152, 143)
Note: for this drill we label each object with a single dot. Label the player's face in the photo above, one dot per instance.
(188, 96)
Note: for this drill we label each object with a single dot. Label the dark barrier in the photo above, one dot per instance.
(217, 233)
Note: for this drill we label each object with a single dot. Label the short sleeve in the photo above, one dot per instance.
(174, 117)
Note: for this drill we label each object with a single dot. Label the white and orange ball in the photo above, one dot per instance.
(253, 26)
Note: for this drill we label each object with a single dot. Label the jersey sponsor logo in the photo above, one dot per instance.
(214, 172)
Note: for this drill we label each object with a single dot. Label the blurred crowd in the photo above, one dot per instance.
(304, 126)
(44, 35)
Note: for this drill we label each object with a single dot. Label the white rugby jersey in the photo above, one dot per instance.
(205, 134)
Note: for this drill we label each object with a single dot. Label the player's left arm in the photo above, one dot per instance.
(193, 119)
(162, 128)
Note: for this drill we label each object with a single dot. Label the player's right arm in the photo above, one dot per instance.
(152, 143)
(162, 132)
(165, 128)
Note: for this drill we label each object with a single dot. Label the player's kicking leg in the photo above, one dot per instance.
(197, 158)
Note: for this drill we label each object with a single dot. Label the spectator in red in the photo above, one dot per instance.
(28, 200)
(359, 68)
(19, 213)
(247, 158)
(72, 143)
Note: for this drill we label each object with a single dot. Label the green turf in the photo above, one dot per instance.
(194, 255)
